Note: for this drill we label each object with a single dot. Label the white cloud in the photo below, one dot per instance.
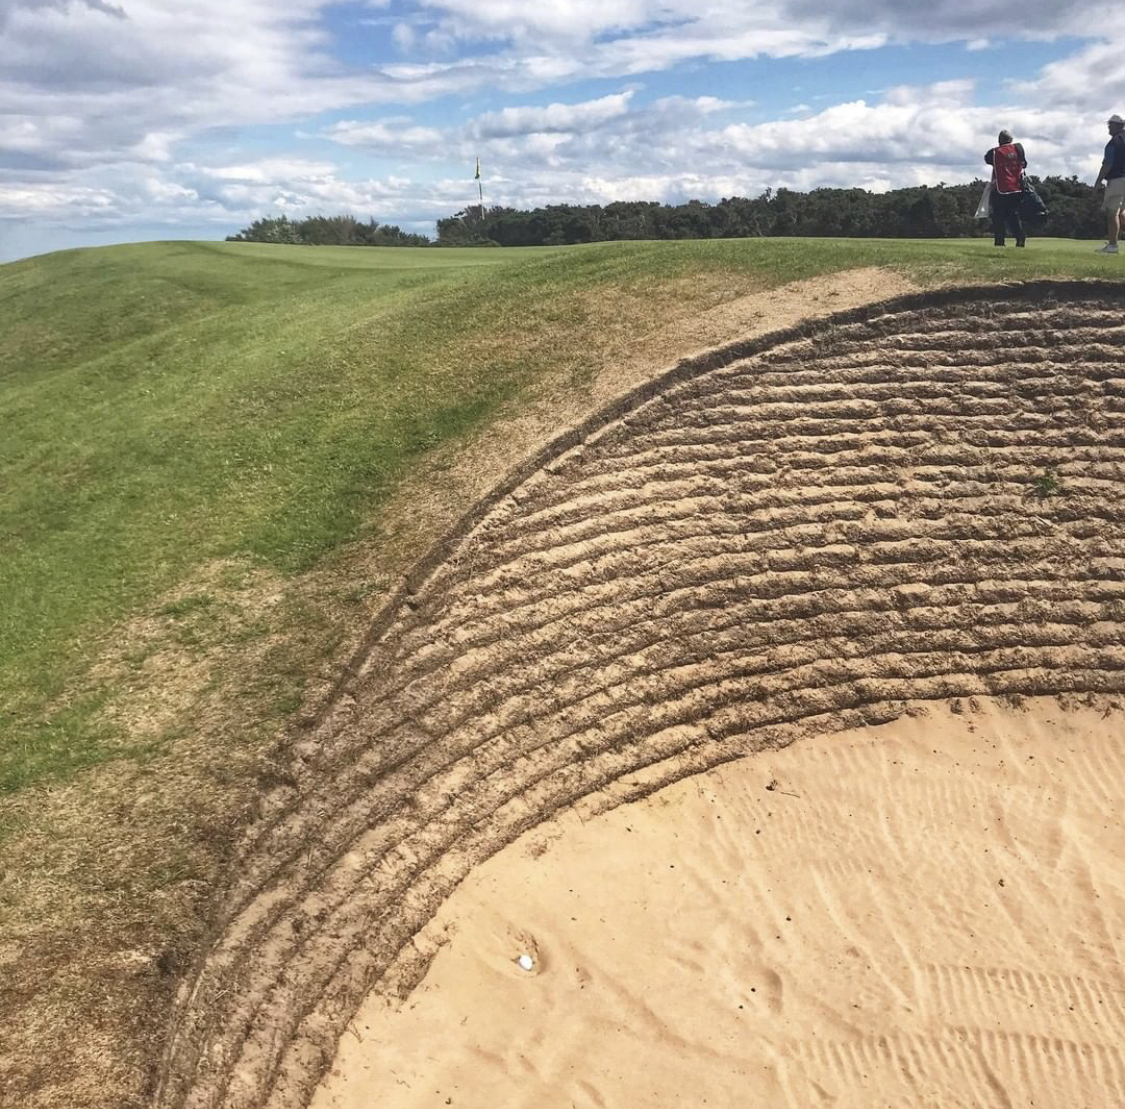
(404, 36)
(75, 201)
(913, 136)
(96, 83)
(270, 169)
(9, 7)
(944, 20)
(1092, 81)
(552, 20)
(553, 119)
(100, 102)
(395, 135)
(938, 20)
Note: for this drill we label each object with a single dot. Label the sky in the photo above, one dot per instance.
(125, 120)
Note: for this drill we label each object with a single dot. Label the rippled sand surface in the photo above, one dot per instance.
(927, 913)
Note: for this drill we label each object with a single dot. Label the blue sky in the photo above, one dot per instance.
(140, 119)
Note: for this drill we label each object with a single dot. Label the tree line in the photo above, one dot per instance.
(921, 211)
(326, 231)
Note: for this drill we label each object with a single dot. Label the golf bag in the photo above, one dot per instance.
(1032, 208)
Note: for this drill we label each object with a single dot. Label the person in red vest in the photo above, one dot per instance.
(1008, 162)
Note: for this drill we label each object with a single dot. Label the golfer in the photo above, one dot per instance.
(1111, 177)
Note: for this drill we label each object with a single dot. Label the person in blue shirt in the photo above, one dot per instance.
(1112, 177)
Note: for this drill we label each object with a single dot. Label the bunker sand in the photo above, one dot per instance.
(923, 913)
(785, 539)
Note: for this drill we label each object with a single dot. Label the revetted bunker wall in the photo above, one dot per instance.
(922, 499)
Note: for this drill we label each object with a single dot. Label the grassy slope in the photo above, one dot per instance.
(163, 405)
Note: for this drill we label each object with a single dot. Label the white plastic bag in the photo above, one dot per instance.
(984, 208)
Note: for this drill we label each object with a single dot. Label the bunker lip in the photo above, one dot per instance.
(683, 370)
(911, 501)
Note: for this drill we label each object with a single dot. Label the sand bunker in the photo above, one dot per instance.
(790, 538)
(921, 914)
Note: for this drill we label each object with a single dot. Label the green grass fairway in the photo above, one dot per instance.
(168, 404)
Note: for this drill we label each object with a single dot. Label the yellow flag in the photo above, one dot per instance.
(476, 176)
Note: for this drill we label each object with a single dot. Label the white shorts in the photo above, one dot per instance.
(1115, 195)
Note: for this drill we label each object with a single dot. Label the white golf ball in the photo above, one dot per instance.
(526, 962)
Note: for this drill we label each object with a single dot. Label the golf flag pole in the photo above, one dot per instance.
(480, 191)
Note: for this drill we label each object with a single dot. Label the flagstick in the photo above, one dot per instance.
(480, 193)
